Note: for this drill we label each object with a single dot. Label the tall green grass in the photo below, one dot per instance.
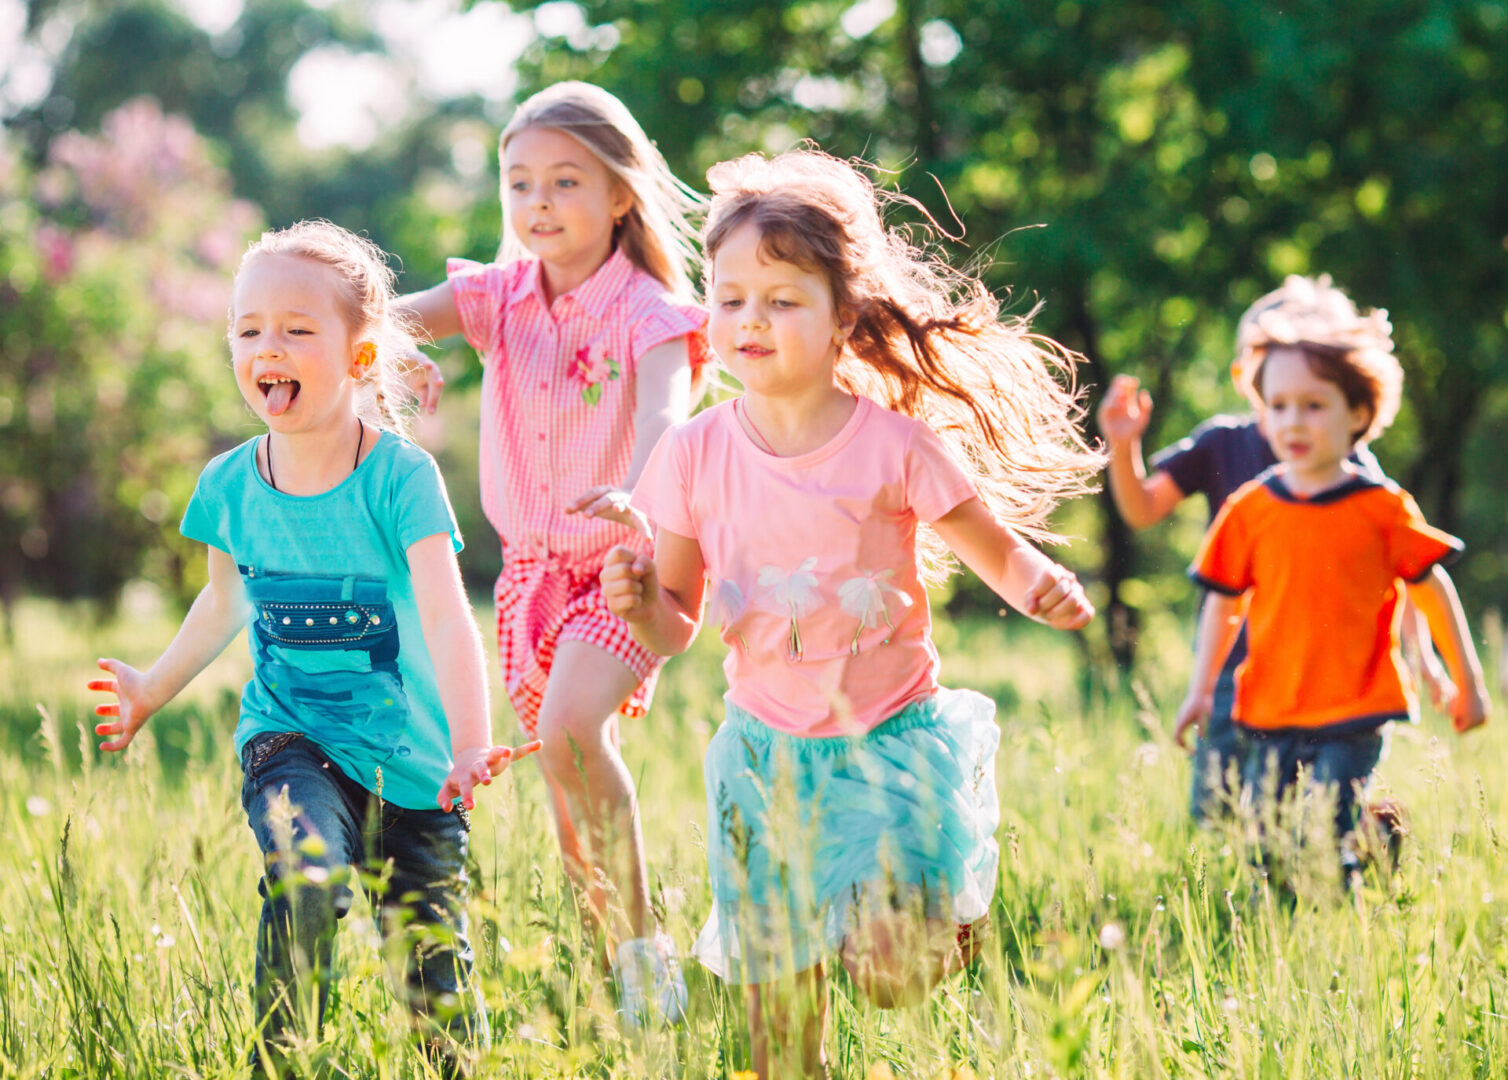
(1124, 944)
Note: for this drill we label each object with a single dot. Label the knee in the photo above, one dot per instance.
(571, 752)
(887, 972)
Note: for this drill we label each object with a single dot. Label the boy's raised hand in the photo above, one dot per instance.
(131, 709)
(629, 584)
(1124, 411)
(476, 767)
(1057, 599)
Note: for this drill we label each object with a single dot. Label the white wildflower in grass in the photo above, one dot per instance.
(37, 806)
(1112, 936)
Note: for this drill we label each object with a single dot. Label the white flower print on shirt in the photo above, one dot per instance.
(727, 606)
(793, 594)
(863, 597)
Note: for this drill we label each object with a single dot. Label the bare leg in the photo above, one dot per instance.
(895, 959)
(596, 809)
(787, 1020)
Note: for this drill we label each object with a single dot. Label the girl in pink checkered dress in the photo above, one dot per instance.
(588, 336)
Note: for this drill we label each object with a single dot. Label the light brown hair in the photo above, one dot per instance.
(656, 233)
(365, 292)
(928, 341)
(1342, 344)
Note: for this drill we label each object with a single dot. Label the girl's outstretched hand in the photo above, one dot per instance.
(131, 709)
(425, 380)
(475, 767)
(611, 504)
(1057, 599)
(629, 584)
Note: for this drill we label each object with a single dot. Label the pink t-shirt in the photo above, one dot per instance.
(558, 392)
(811, 561)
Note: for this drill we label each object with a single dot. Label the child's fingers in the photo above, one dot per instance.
(525, 750)
(448, 792)
(109, 686)
(110, 709)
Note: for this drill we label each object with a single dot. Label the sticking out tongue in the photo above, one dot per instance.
(279, 396)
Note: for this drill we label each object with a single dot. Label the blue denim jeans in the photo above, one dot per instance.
(1222, 745)
(320, 832)
(1344, 759)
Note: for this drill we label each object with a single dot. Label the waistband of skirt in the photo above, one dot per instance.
(922, 713)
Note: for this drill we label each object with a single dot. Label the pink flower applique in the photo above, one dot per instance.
(593, 366)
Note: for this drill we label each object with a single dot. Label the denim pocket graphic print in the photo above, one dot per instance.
(327, 649)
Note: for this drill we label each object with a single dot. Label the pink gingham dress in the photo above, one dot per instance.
(557, 419)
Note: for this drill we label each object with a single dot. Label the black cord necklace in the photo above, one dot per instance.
(361, 434)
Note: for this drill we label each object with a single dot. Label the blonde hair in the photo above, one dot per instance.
(928, 341)
(656, 233)
(365, 293)
(1342, 344)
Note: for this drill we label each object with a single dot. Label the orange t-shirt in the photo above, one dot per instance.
(1325, 599)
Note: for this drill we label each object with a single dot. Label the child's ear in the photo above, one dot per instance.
(362, 359)
(622, 202)
(1361, 420)
(848, 318)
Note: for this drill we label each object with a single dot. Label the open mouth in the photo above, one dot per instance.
(279, 392)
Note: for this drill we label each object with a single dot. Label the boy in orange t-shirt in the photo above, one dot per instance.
(1322, 554)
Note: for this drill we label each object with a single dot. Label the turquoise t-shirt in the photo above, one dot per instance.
(336, 642)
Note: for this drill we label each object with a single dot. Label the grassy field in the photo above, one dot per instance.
(1125, 944)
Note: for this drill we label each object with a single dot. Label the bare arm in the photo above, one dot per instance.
(662, 397)
(1123, 416)
(433, 313)
(1219, 623)
(455, 648)
(1436, 598)
(1020, 574)
(659, 598)
(217, 615)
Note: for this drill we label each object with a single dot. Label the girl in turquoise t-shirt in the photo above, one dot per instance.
(331, 540)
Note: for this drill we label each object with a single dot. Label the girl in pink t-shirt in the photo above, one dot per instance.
(588, 336)
(851, 801)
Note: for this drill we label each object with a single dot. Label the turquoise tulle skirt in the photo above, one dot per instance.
(805, 834)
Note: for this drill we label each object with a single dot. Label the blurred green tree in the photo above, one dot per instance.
(1180, 158)
(115, 265)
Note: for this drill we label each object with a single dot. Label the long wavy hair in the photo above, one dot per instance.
(366, 293)
(656, 233)
(928, 341)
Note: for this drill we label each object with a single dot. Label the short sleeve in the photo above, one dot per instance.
(480, 293)
(422, 508)
(205, 519)
(1187, 462)
(664, 488)
(1223, 564)
(666, 322)
(935, 482)
(1414, 545)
